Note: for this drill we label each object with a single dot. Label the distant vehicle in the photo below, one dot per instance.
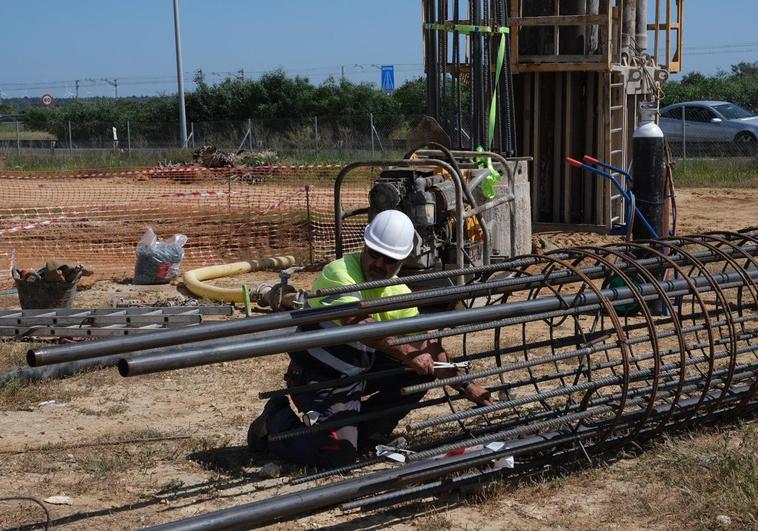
(709, 121)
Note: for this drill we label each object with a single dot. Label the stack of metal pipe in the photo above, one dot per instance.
(462, 55)
(587, 349)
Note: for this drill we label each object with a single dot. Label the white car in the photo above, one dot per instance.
(708, 121)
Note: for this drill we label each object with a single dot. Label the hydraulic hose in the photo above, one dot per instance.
(195, 279)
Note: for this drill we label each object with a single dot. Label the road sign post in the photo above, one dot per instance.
(388, 78)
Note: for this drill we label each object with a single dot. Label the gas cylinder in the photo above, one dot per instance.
(648, 169)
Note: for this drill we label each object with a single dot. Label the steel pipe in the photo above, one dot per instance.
(184, 357)
(606, 344)
(590, 345)
(210, 331)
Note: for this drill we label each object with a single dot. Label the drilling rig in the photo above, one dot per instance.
(568, 82)
(480, 176)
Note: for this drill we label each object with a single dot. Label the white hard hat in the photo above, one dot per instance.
(390, 233)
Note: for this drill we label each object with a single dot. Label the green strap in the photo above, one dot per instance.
(487, 186)
(493, 104)
(246, 300)
(466, 28)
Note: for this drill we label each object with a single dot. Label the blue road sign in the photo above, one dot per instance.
(388, 78)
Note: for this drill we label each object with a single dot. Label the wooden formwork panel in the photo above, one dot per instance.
(554, 35)
(564, 114)
(546, 39)
(571, 114)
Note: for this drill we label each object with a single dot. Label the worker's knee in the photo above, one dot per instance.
(338, 447)
(323, 449)
(337, 454)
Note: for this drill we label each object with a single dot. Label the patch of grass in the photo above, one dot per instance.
(116, 409)
(25, 136)
(141, 433)
(105, 462)
(63, 160)
(101, 464)
(714, 476)
(338, 157)
(15, 395)
(21, 514)
(38, 463)
(9, 388)
(203, 443)
(487, 493)
(113, 410)
(721, 173)
(8, 132)
(13, 353)
(89, 412)
(240, 420)
(171, 486)
(433, 522)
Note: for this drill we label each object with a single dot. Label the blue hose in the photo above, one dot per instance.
(627, 195)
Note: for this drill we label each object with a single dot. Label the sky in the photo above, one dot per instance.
(47, 44)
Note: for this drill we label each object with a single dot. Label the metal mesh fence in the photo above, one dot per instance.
(229, 215)
(703, 149)
(328, 137)
(315, 136)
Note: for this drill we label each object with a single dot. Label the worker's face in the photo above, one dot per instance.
(376, 266)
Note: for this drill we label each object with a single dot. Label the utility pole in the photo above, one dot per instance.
(113, 83)
(180, 77)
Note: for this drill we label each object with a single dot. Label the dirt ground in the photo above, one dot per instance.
(153, 449)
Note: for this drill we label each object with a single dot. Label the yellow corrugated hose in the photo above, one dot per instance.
(194, 280)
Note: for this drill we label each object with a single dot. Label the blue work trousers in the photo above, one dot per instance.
(341, 445)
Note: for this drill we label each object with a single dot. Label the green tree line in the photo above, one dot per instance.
(276, 96)
(739, 86)
(273, 96)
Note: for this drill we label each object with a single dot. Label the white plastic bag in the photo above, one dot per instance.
(158, 261)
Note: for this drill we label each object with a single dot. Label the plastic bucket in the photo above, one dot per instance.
(41, 294)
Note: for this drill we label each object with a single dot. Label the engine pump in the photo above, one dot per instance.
(468, 208)
(428, 199)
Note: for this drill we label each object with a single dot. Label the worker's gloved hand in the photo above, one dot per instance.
(422, 363)
(477, 394)
(435, 350)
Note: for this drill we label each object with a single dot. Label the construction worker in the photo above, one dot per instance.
(388, 241)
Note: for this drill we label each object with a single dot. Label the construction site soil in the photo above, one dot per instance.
(141, 451)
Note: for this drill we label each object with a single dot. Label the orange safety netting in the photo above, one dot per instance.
(228, 214)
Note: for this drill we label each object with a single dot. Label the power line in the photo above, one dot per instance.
(355, 70)
(724, 52)
(90, 81)
(718, 46)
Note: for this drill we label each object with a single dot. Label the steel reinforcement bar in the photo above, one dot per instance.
(744, 243)
(185, 356)
(396, 482)
(593, 346)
